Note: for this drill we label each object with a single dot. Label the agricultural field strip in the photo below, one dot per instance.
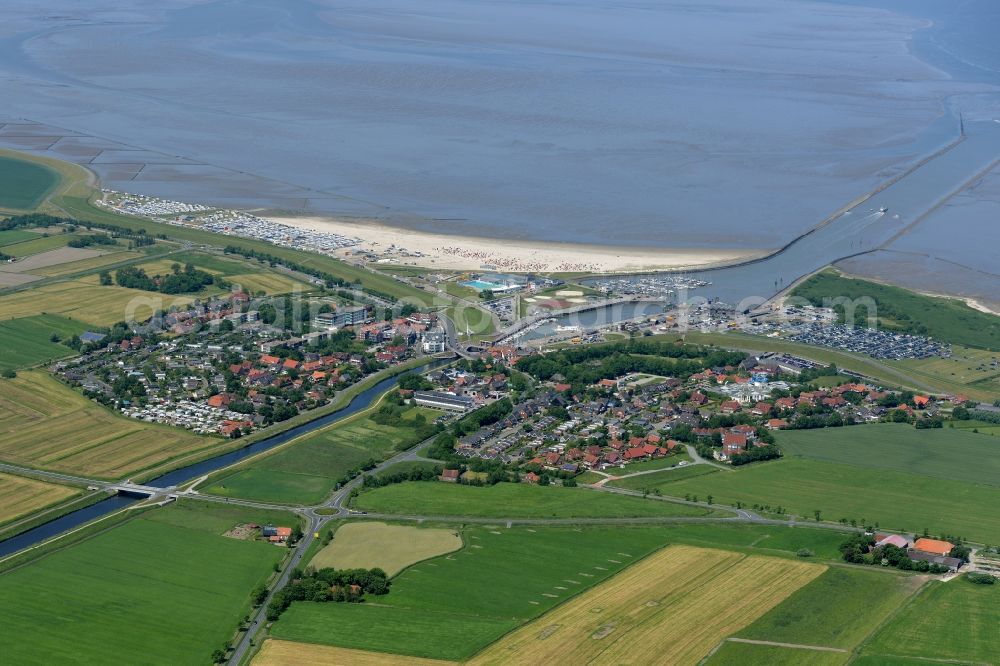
(20, 495)
(652, 612)
(276, 652)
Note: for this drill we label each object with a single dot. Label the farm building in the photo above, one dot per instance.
(933, 546)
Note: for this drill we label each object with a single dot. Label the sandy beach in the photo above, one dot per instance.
(416, 248)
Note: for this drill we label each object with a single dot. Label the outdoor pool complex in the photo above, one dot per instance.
(481, 285)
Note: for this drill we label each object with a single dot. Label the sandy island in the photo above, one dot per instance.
(430, 250)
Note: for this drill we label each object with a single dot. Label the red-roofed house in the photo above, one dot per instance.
(729, 407)
(635, 453)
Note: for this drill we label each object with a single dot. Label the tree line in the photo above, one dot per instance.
(328, 584)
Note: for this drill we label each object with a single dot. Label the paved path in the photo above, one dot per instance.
(794, 646)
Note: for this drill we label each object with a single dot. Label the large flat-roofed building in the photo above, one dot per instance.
(434, 341)
(443, 400)
(342, 317)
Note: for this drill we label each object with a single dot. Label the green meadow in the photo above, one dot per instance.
(27, 341)
(307, 471)
(23, 184)
(149, 591)
(894, 500)
(12, 236)
(955, 621)
(839, 609)
(512, 500)
(731, 653)
(945, 453)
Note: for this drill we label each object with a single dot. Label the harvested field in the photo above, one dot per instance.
(86, 264)
(43, 260)
(90, 303)
(671, 608)
(281, 653)
(20, 496)
(15, 279)
(47, 425)
(392, 548)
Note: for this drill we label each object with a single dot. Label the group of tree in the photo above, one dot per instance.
(178, 281)
(484, 416)
(756, 454)
(859, 549)
(421, 473)
(328, 584)
(584, 366)
(91, 239)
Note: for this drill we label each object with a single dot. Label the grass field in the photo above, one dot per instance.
(392, 548)
(894, 500)
(87, 302)
(148, 590)
(661, 480)
(12, 236)
(671, 608)
(839, 609)
(282, 653)
(269, 283)
(26, 341)
(966, 370)
(20, 496)
(655, 463)
(37, 245)
(453, 606)
(512, 500)
(468, 318)
(946, 453)
(24, 185)
(307, 471)
(47, 425)
(955, 621)
(946, 319)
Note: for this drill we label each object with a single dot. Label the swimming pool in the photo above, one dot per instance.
(482, 285)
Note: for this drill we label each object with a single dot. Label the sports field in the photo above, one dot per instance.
(955, 621)
(47, 425)
(945, 453)
(893, 500)
(391, 548)
(20, 496)
(26, 341)
(282, 653)
(24, 185)
(87, 302)
(512, 500)
(307, 471)
(671, 608)
(147, 591)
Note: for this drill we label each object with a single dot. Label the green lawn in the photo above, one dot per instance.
(512, 500)
(894, 500)
(946, 319)
(838, 609)
(956, 620)
(662, 480)
(147, 591)
(946, 453)
(471, 319)
(26, 341)
(655, 463)
(307, 471)
(24, 185)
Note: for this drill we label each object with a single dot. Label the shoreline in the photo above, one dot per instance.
(382, 243)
